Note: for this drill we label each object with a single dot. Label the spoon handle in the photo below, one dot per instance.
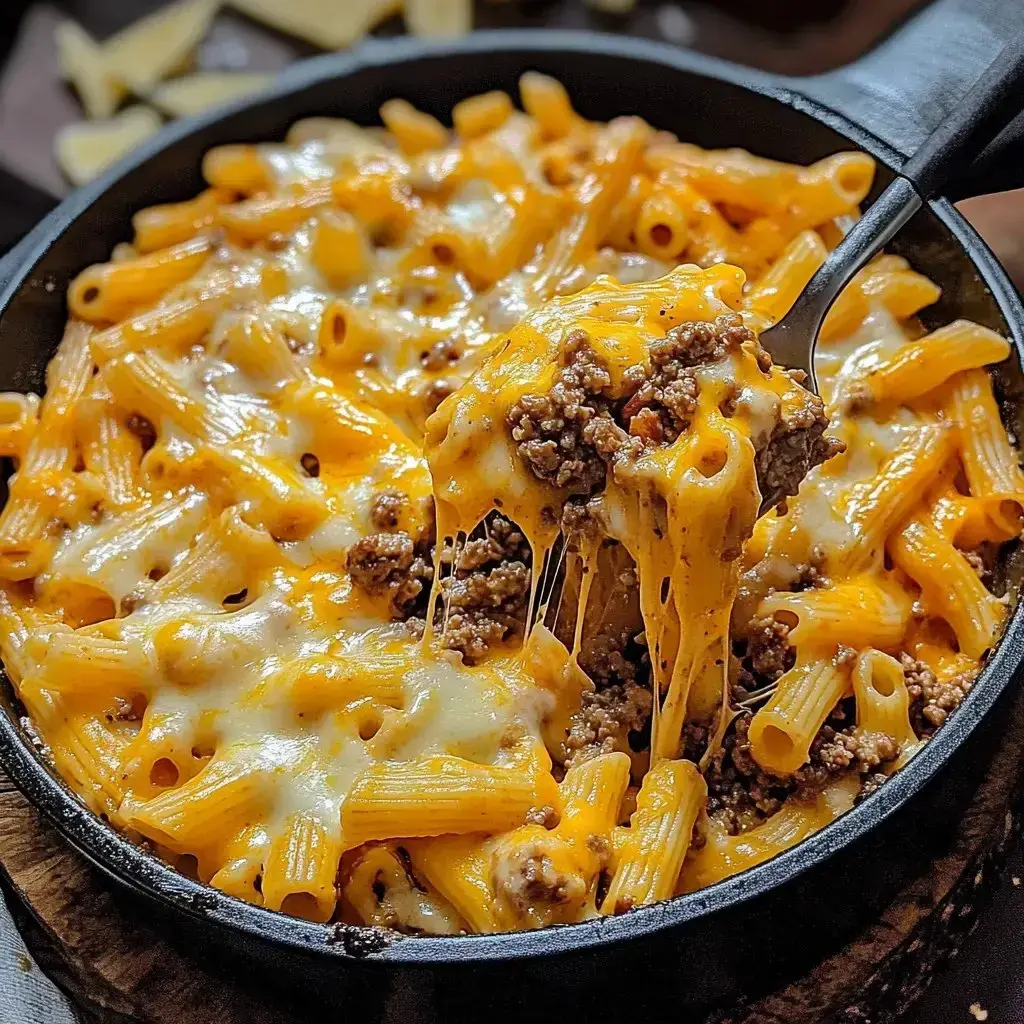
(791, 341)
(991, 103)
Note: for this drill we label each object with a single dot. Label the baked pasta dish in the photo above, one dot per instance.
(414, 532)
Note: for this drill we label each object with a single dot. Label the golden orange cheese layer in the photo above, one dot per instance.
(240, 382)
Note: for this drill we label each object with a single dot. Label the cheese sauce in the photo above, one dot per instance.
(283, 595)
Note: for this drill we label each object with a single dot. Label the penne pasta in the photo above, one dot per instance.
(458, 867)
(875, 509)
(711, 238)
(481, 114)
(256, 219)
(237, 168)
(883, 704)
(241, 873)
(922, 366)
(19, 418)
(226, 557)
(661, 227)
(382, 893)
(33, 502)
(84, 748)
(863, 612)
(778, 288)
(320, 683)
(76, 665)
(887, 282)
(380, 199)
(258, 349)
(650, 857)
(990, 463)
(160, 227)
(617, 156)
(110, 451)
(173, 326)
(433, 797)
(298, 876)
(591, 794)
(340, 249)
(195, 815)
(782, 732)
(414, 130)
(547, 102)
(414, 533)
(20, 624)
(112, 561)
(108, 292)
(724, 854)
(950, 588)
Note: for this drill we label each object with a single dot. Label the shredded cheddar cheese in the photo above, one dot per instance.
(415, 533)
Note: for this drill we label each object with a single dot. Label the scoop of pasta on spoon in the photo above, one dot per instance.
(647, 415)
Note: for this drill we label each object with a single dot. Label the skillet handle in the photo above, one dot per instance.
(906, 86)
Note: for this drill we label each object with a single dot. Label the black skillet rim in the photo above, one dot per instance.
(153, 878)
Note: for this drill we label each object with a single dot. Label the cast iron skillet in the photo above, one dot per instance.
(742, 935)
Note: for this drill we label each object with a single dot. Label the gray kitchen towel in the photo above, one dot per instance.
(27, 996)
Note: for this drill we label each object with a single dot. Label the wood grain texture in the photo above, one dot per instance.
(119, 969)
(113, 964)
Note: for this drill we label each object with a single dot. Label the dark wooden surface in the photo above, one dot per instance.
(34, 103)
(119, 967)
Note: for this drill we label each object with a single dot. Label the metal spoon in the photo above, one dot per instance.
(989, 106)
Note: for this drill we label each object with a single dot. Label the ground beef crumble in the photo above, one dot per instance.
(665, 400)
(143, 429)
(577, 523)
(500, 541)
(528, 879)
(768, 648)
(570, 435)
(564, 436)
(975, 561)
(389, 563)
(835, 750)
(386, 510)
(440, 356)
(486, 589)
(870, 784)
(984, 560)
(932, 701)
(796, 445)
(545, 815)
(485, 582)
(742, 793)
(620, 704)
(436, 391)
(485, 608)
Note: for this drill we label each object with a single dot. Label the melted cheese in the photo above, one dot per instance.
(195, 653)
(682, 511)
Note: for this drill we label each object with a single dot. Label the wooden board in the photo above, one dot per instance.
(119, 970)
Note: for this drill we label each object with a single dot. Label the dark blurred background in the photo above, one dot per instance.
(791, 36)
